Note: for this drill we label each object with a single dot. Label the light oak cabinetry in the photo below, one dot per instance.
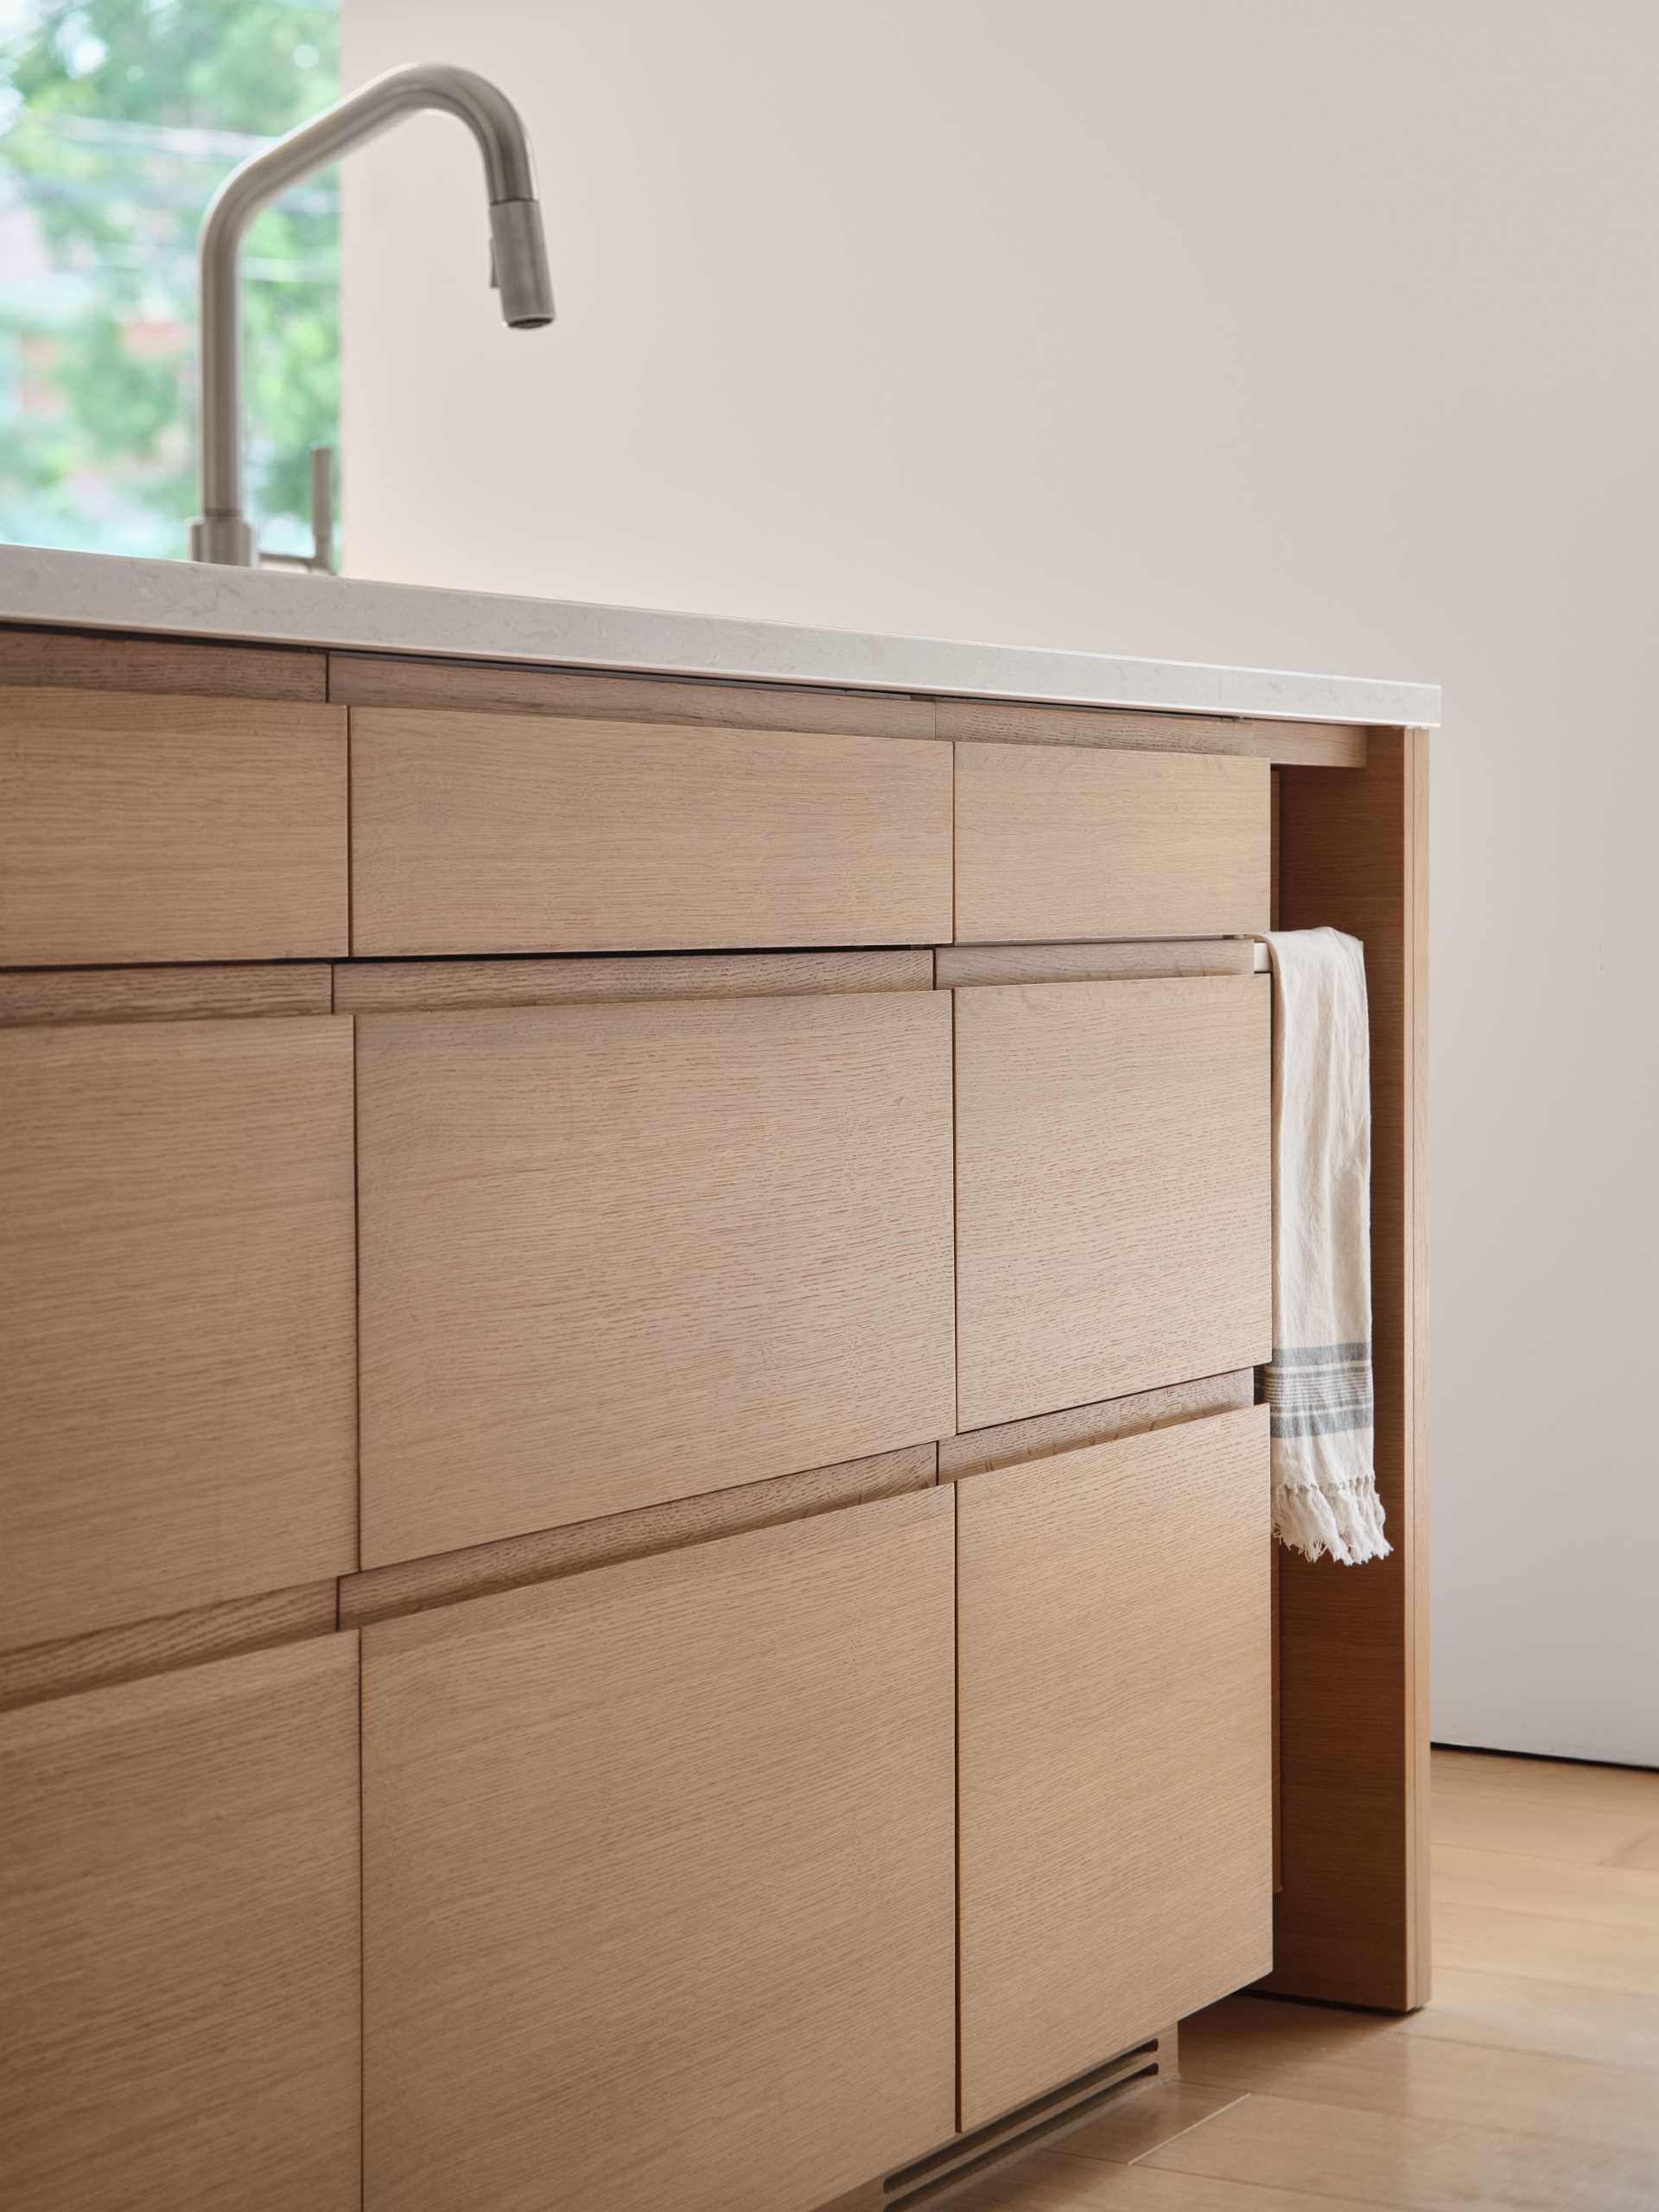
(178, 1380)
(138, 827)
(659, 1878)
(1068, 840)
(517, 833)
(617, 1254)
(179, 1942)
(1114, 1656)
(1113, 1230)
(763, 1218)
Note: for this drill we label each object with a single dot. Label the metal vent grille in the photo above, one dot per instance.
(928, 2180)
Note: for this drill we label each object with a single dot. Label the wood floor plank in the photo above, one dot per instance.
(1419, 2165)
(1624, 1896)
(1537, 1826)
(1051, 2182)
(1257, 2040)
(1530, 1944)
(1143, 2120)
(1531, 2081)
(1615, 2027)
(1318, 2056)
(1491, 1774)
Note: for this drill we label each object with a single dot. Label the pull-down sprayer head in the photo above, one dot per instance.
(518, 263)
(518, 255)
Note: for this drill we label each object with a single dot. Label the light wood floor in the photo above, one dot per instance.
(1530, 2084)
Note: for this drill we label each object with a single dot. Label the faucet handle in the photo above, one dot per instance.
(320, 562)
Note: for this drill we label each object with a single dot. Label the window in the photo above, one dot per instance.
(118, 120)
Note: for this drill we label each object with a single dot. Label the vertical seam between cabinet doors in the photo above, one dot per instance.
(955, 862)
(351, 848)
(956, 1217)
(356, 1295)
(362, 1939)
(956, 1712)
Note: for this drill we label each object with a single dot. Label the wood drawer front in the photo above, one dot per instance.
(1117, 1861)
(178, 1389)
(1068, 842)
(1113, 1226)
(136, 828)
(180, 1991)
(659, 1878)
(519, 833)
(612, 1255)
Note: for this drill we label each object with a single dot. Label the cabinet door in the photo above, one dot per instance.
(612, 1255)
(178, 1389)
(138, 827)
(1066, 841)
(1113, 1167)
(525, 833)
(1116, 1777)
(179, 1987)
(659, 1878)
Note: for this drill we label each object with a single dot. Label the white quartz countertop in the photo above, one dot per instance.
(273, 607)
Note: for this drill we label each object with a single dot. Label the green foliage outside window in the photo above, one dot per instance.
(118, 120)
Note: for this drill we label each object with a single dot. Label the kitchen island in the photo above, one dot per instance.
(634, 1558)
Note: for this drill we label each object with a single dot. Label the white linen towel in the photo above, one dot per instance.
(1319, 1383)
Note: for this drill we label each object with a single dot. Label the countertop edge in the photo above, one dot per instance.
(45, 586)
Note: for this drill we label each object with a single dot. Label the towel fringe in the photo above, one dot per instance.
(1342, 1518)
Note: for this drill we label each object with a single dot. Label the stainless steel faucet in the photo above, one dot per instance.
(518, 265)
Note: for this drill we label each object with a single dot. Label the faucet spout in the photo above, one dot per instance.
(518, 255)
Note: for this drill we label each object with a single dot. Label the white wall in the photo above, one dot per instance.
(1319, 333)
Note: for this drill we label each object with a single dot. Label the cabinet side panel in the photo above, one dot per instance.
(1353, 1914)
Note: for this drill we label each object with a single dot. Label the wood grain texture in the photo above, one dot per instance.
(1353, 1723)
(161, 1647)
(177, 1401)
(1113, 1228)
(1143, 2120)
(179, 1942)
(30, 997)
(97, 660)
(614, 1254)
(433, 986)
(1414, 2165)
(1566, 1786)
(1510, 2089)
(1488, 2006)
(1593, 1951)
(393, 680)
(1122, 2108)
(981, 1451)
(1366, 2063)
(620, 1964)
(1058, 841)
(1330, 745)
(1116, 1860)
(1081, 964)
(1544, 1828)
(1052, 2181)
(156, 829)
(417, 1586)
(504, 833)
